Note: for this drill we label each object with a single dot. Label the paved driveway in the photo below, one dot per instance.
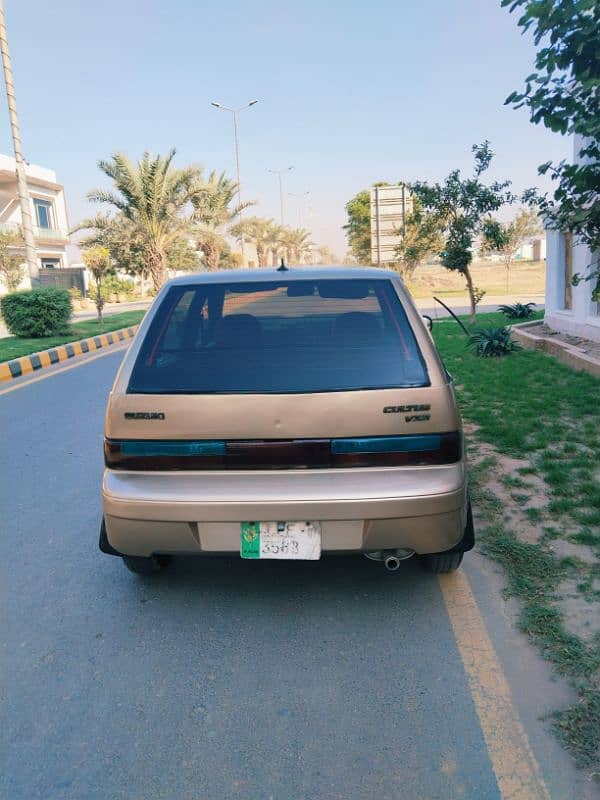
(230, 679)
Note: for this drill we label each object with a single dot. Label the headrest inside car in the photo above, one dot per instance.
(238, 329)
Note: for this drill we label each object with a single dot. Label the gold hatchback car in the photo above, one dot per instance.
(283, 414)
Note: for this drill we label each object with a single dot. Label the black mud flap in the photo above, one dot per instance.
(468, 540)
(103, 543)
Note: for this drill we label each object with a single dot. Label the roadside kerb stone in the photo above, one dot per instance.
(525, 333)
(45, 358)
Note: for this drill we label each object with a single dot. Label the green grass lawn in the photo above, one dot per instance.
(529, 406)
(14, 346)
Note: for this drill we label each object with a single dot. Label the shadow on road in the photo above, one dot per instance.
(262, 582)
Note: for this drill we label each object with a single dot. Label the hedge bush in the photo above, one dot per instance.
(39, 312)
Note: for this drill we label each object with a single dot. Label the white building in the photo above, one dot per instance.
(48, 210)
(569, 309)
(532, 250)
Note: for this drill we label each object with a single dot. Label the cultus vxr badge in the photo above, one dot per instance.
(144, 415)
(411, 417)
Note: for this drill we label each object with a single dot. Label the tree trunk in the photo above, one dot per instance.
(273, 256)
(471, 289)
(99, 300)
(156, 266)
(212, 254)
(260, 254)
(507, 263)
(407, 270)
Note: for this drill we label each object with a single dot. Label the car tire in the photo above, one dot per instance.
(439, 563)
(143, 565)
(450, 560)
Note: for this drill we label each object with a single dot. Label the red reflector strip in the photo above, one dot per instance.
(374, 451)
(273, 454)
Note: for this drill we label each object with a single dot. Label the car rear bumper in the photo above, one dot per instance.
(419, 508)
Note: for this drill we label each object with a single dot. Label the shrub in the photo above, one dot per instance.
(39, 312)
(490, 342)
(117, 288)
(518, 311)
(93, 293)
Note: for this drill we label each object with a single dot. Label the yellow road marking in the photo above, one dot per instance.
(49, 373)
(517, 772)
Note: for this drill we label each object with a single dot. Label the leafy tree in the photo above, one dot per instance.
(421, 238)
(462, 207)
(11, 263)
(507, 238)
(358, 227)
(181, 255)
(258, 231)
(97, 260)
(119, 236)
(564, 95)
(158, 200)
(326, 256)
(230, 260)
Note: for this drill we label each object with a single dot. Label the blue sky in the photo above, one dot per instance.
(350, 93)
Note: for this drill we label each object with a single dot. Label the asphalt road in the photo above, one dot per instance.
(230, 679)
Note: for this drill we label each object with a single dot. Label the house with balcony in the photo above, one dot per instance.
(48, 211)
(569, 305)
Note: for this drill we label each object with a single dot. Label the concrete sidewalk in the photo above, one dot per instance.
(460, 304)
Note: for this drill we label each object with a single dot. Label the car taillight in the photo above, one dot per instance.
(370, 451)
(397, 451)
(146, 454)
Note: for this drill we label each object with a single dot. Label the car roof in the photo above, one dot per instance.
(292, 273)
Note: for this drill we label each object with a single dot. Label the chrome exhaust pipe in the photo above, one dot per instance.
(390, 558)
(392, 563)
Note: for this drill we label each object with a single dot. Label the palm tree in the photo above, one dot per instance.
(213, 213)
(259, 231)
(158, 199)
(275, 242)
(298, 244)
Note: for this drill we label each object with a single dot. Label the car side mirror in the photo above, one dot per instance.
(428, 321)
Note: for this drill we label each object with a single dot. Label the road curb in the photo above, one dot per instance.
(566, 353)
(45, 358)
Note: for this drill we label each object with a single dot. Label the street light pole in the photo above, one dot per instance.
(300, 198)
(235, 112)
(23, 190)
(279, 173)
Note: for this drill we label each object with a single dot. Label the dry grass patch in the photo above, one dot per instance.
(534, 446)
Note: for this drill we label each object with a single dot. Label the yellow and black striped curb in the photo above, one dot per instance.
(45, 358)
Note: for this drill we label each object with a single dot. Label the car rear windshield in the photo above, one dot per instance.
(278, 337)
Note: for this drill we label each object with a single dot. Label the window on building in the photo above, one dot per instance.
(568, 271)
(43, 213)
(50, 263)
